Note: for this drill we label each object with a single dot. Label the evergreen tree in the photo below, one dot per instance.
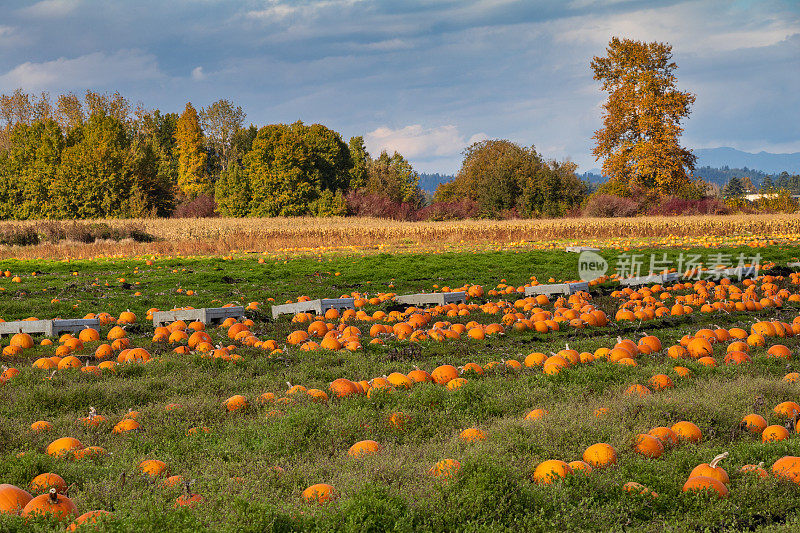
(733, 189)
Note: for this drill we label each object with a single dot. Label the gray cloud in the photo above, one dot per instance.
(428, 74)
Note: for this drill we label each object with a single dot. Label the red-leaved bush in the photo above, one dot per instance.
(608, 205)
(457, 210)
(671, 206)
(204, 206)
(366, 204)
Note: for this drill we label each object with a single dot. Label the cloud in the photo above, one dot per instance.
(7, 35)
(699, 27)
(50, 8)
(93, 70)
(198, 74)
(414, 141)
(273, 13)
(421, 76)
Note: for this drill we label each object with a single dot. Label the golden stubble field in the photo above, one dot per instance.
(289, 236)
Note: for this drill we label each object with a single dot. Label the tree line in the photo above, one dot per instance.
(100, 156)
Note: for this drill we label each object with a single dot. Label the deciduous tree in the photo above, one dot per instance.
(394, 177)
(192, 177)
(221, 121)
(639, 140)
(501, 177)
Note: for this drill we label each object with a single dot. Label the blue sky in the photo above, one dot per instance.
(421, 76)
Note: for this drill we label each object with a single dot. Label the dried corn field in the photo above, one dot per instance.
(289, 236)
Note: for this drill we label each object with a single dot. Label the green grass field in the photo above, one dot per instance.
(232, 466)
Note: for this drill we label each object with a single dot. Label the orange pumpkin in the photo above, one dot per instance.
(51, 503)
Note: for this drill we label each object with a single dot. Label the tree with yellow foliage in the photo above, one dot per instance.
(192, 177)
(641, 121)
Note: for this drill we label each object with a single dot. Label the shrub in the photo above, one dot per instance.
(329, 205)
(779, 202)
(366, 204)
(132, 231)
(204, 206)
(54, 231)
(608, 205)
(455, 210)
(51, 231)
(13, 235)
(680, 206)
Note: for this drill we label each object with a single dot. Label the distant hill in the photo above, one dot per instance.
(721, 176)
(429, 182)
(766, 162)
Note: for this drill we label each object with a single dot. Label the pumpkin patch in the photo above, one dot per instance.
(651, 398)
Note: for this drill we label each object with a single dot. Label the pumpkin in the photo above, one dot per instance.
(754, 423)
(706, 483)
(364, 447)
(548, 471)
(444, 373)
(633, 486)
(89, 335)
(687, 431)
(125, 425)
(665, 435)
(774, 433)
(13, 499)
(320, 492)
(651, 342)
(682, 371)
(535, 359)
(445, 468)
(535, 414)
(711, 469)
(660, 381)
(419, 376)
(398, 419)
(553, 365)
(172, 481)
(21, 340)
(580, 466)
(116, 333)
(342, 388)
(600, 455)
(235, 402)
(51, 503)
(89, 517)
(648, 445)
(638, 390)
(317, 395)
(779, 350)
(153, 467)
(472, 435)
(41, 425)
(188, 500)
(63, 446)
(757, 470)
(399, 380)
(787, 467)
(456, 383)
(126, 317)
(787, 409)
(700, 347)
(43, 483)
